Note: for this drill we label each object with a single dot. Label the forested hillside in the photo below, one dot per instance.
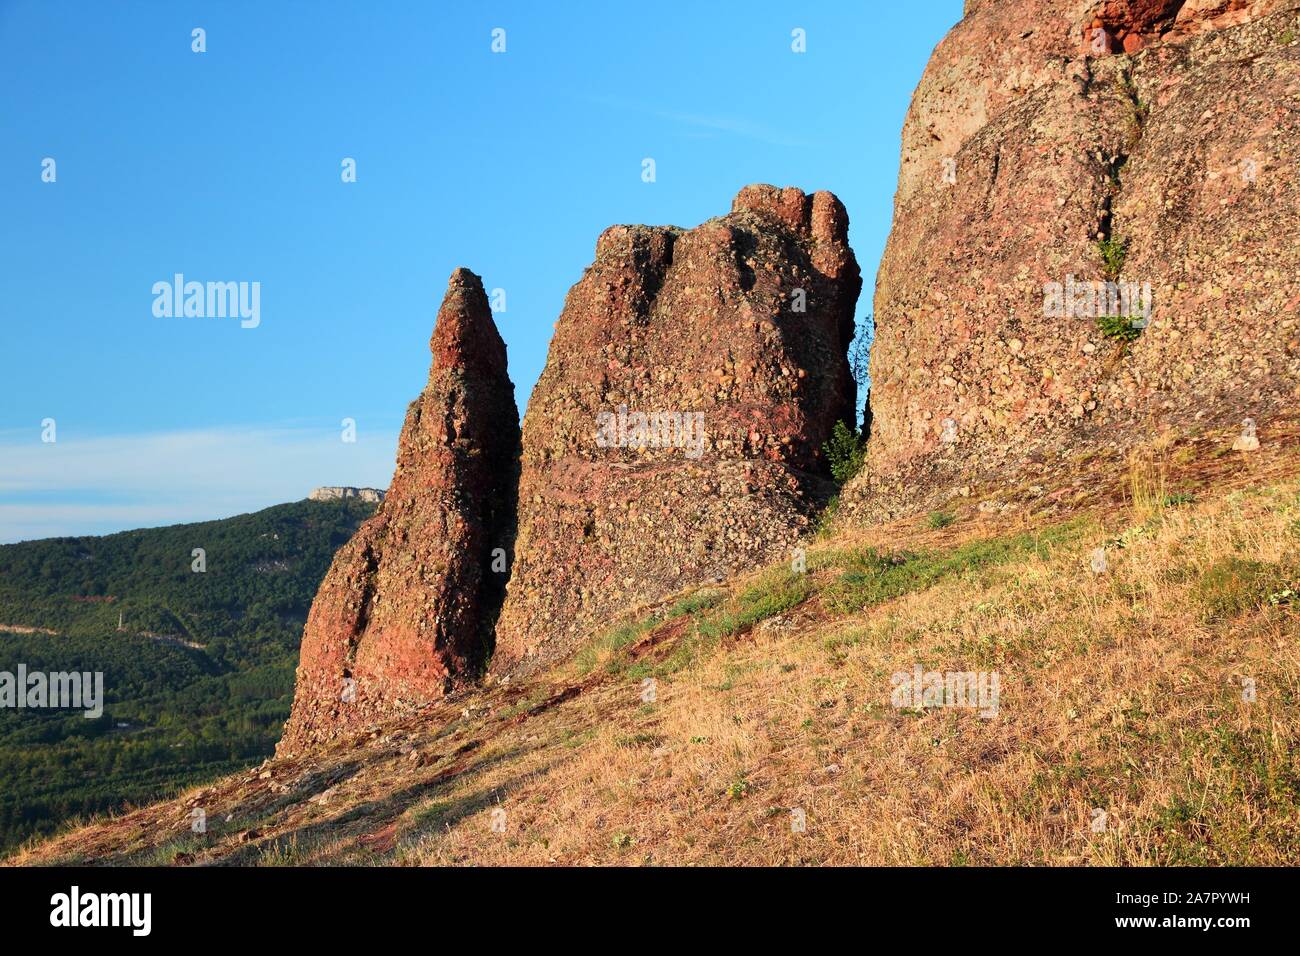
(198, 674)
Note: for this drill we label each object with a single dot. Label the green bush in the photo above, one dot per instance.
(846, 451)
(1113, 252)
(939, 519)
(1121, 327)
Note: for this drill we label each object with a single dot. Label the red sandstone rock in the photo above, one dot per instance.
(407, 609)
(1098, 40)
(1184, 153)
(683, 323)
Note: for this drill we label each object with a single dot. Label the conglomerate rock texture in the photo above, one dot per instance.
(1068, 141)
(676, 431)
(407, 608)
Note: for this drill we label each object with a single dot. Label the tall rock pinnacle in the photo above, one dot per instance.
(407, 609)
(676, 431)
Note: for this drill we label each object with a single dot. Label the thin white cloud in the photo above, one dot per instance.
(730, 125)
(735, 127)
(101, 484)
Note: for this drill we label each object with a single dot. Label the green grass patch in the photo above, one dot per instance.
(609, 645)
(1232, 586)
(165, 853)
(694, 603)
(1203, 824)
(873, 578)
(524, 705)
(611, 642)
(284, 852)
(939, 519)
(826, 520)
(778, 590)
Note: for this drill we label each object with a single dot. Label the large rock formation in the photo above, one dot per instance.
(1039, 156)
(407, 608)
(676, 431)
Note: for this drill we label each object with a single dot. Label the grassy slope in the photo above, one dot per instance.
(1120, 692)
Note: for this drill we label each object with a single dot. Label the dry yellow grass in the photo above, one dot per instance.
(1123, 693)
(1117, 695)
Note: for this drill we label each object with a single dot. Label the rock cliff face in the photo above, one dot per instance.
(1040, 158)
(332, 493)
(407, 609)
(675, 433)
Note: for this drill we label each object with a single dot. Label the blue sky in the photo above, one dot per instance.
(225, 166)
